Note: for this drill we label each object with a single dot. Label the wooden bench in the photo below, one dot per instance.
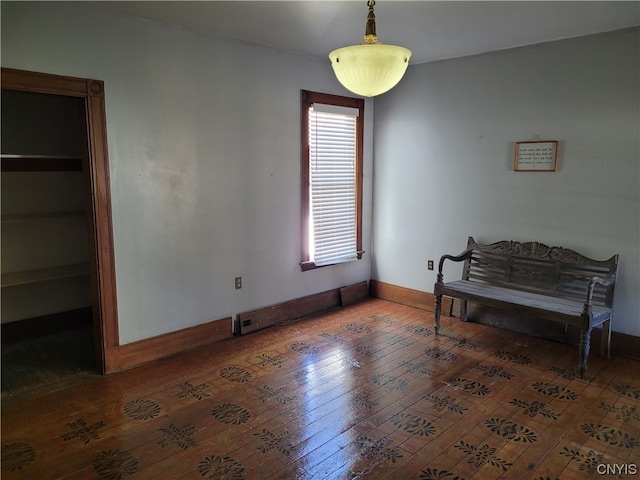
(552, 283)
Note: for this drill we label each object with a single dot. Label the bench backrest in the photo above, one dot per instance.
(536, 267)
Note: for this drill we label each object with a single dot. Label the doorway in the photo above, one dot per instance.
(85, 164)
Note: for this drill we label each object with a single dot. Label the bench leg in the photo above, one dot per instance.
(605, 344)
(463, 310)
(438, 310)
(585, 345)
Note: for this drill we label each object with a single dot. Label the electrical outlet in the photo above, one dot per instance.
(429, 264)
(238, 283)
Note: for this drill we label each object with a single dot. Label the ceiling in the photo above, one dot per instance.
(433, 30)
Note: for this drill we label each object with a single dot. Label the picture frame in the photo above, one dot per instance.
(536, 156)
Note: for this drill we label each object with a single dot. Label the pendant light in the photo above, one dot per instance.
(370, 68)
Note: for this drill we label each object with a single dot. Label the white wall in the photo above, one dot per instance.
(203, 137)
(443, 167)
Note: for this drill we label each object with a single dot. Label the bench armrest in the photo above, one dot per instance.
(593, 281)
(466, 255)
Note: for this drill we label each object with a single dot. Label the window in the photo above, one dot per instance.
(332, 139)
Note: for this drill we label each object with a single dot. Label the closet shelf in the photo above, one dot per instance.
(39, 157)
(40, 163)
(44, 274)
(27, 217)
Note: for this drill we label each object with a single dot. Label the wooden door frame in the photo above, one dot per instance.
(96, 167)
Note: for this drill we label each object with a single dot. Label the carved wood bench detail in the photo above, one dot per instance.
(552, 283)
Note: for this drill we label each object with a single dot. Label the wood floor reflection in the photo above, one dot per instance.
(367, 391)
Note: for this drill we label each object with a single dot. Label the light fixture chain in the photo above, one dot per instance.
(370, 36)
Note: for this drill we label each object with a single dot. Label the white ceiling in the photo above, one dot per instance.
(433, 30)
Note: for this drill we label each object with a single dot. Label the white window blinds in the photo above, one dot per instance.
(332, 192)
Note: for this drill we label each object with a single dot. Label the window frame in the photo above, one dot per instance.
(307, 99)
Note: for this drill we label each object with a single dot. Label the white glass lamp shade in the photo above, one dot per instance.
(370, 69)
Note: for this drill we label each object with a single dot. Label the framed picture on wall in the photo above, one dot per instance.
(536, 156)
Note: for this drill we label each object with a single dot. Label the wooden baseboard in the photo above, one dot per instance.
(295, 309)
(46, 325)
(354, 293)
(287, 311)
(407, 296)
(622, 344)
(134, 354)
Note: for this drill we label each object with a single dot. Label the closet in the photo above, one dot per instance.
(58, 269)
(45, 260)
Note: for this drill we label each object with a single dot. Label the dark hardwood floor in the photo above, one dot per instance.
(367, 391)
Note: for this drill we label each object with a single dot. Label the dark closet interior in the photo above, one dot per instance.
(47, 327)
